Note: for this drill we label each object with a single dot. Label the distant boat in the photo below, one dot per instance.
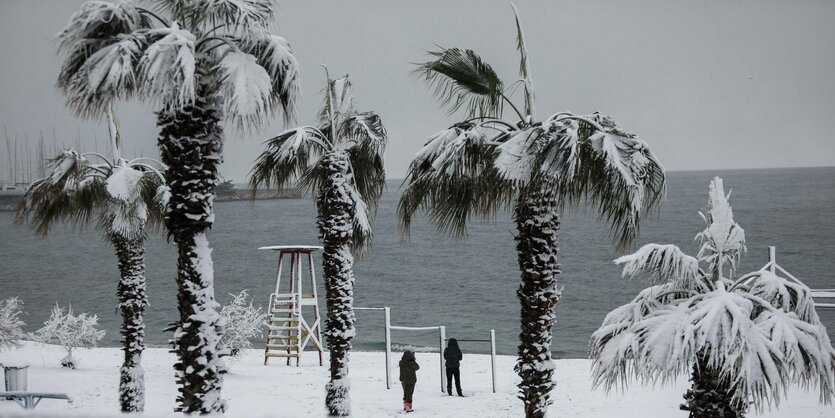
(18, 189)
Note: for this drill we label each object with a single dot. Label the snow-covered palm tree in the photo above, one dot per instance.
(533, 167)
(340, 161)
(743, 341)
(126, 196)
(198, 62)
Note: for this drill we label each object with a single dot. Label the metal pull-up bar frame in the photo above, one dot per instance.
(492, 342)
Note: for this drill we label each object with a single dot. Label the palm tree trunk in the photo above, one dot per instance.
(336, 230)
(190, 142)
(710, 396)
(536, 246)
(132, 303)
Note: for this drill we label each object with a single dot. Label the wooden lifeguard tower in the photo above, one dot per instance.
(289, 332)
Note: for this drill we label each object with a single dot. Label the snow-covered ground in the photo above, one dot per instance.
(254, 390)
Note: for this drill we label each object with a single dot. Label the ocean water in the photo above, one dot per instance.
(467, 285)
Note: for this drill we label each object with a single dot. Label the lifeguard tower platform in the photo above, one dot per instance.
(289, 331)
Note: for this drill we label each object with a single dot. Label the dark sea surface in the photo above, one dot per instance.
(467, 285)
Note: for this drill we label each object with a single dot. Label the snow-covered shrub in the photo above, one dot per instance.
(742, 341)
(243, 322)
(11, 326)
(69, 331)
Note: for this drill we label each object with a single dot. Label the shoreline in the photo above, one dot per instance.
(255, 390)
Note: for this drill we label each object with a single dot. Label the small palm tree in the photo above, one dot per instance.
(743, 341)
(125, 197)
(534, 168)
(198, 62)
(341, 162)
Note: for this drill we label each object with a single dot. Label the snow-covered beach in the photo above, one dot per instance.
(253, 390)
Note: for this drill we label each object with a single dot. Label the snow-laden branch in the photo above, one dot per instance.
(660, 264)
(70, 331)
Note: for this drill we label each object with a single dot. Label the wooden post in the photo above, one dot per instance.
(493, 357)
(772, 258)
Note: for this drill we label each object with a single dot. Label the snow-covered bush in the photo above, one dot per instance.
(743, 341)
(243, 321)
(11, 326)
(69, 331)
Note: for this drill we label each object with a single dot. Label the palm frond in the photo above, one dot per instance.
(106, 73)
(274, 54)
(244, 14)
(368, 139)
(167, 67)
(806, 351)
(70, 193)
(518, 156)
(126, 212)
(524, 67)
(602, 165)
(789, 296)
(616, 346)
(723, 240)
(461, 79)
(101, 20)
(245, 88)
(339, 100)
(668, 343)
(452, 178)
(362, 234)
(662, 264)
(287, 157)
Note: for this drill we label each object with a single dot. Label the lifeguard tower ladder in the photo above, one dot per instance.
(289, 333)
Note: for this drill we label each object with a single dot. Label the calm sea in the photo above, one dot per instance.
(467, 285)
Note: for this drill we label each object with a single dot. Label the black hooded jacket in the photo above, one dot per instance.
(408, 367)
(452, 354)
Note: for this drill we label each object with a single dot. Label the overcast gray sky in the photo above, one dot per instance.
(709, 84)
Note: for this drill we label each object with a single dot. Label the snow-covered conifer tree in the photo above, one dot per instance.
(533, 168)
(243, 322)
(343, 167)
(69, 331)
(11, 326)
(742, 341)
(198, 63)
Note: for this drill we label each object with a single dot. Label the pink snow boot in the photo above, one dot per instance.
(409, 407)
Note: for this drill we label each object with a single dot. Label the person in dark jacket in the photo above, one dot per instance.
(408, 378)
(453, 357)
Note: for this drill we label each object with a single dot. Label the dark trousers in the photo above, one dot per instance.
(408, 391)
(456, 373)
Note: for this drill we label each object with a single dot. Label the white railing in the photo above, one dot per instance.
(817, 294)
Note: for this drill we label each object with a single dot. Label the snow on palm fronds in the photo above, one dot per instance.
(661, 264)
(723, 240)
(276, 56)
(243, 322)
(11, 326)
(116, 50)
(69, 331)
(756, 335)
(793, 297)
(296, 156)
(534, 167)
(95, 18)
(257, 14)
(167, 67)
(245, 88)
(123, 193)
(341, 163)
